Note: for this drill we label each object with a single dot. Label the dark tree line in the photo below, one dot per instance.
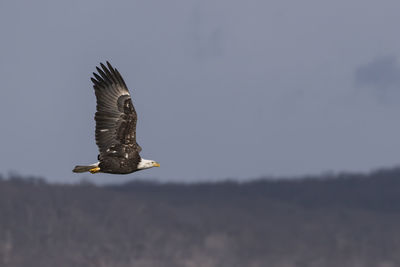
(333, 220)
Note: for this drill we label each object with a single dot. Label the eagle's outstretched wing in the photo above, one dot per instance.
(115, 117)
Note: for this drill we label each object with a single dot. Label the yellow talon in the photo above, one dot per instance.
(94, 170)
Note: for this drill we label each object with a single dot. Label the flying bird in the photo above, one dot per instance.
(115, 126)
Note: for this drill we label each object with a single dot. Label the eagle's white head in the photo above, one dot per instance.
(147, 163)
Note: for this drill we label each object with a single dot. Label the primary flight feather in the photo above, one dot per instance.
(115, 126)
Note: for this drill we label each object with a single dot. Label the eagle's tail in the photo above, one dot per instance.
(90, 168)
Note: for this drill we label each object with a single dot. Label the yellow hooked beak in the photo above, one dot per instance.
(156, 164)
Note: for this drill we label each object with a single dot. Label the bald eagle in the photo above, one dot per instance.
(115, 126)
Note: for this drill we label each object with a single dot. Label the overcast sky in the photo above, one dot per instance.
(223, 89)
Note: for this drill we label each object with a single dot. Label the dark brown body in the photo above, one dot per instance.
(115, 123)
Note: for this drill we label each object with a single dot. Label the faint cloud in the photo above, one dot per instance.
(206, 37)
(382, 74)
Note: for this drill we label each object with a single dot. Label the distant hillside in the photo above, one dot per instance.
(340, 220)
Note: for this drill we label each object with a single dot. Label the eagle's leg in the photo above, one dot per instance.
(94, 170)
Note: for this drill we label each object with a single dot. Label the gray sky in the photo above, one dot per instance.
(223, 89)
